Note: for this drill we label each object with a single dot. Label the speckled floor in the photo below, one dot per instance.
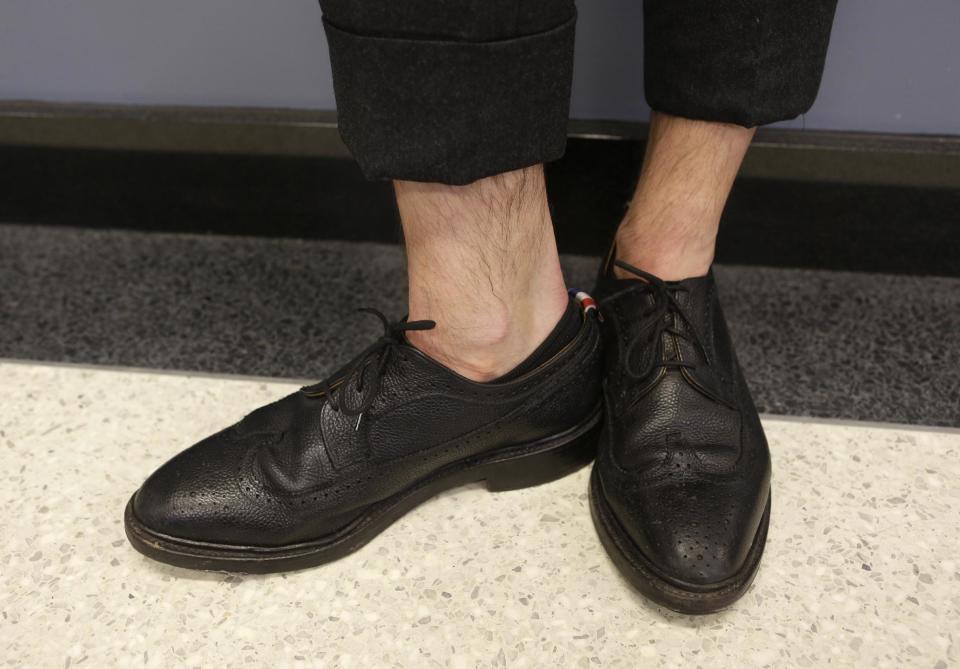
(831, 344)
(861, 568)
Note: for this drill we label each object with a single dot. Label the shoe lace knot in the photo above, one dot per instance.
(377, 354)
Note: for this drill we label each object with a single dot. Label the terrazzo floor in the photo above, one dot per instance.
(861, 568)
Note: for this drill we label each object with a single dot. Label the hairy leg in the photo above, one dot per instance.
(670, 228)
(482, 262)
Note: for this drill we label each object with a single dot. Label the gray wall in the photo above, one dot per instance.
(893, 66)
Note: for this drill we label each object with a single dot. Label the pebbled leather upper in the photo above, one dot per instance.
(301, 468)
(683, 461)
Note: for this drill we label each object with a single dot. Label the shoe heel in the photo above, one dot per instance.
(548, 464)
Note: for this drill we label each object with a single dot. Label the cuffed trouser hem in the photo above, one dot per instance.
(451, 111)
(748, 62)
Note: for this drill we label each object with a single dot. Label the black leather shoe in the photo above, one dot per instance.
(680, 492)
(317, 474)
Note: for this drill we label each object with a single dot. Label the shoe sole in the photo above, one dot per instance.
(639, 570)
(508, 468)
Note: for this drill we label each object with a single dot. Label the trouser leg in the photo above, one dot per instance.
(451, 91)
(454, 90)
(748, 62)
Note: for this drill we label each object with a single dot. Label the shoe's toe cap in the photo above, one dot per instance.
(198, 496)
(697, 535)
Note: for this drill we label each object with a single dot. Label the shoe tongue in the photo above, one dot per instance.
(693, 304)
(691, 295)
(703, 321)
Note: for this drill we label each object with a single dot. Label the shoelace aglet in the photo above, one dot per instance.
(356, 428)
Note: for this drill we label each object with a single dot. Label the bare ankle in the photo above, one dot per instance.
(496, 343)
(482, 263)
(670, 257)
(671, 226)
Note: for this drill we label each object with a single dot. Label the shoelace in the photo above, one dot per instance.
(655, 324)
(379, 353)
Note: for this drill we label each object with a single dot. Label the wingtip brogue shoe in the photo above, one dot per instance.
(680, 492)
(317, 474)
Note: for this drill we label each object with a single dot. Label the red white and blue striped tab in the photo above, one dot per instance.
(586, 302)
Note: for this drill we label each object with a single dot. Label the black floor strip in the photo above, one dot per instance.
(770, 222)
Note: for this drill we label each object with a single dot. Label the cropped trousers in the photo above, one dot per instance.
(452, 91)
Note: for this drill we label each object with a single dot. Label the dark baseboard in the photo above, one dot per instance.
(804, 199)
(929, 161)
